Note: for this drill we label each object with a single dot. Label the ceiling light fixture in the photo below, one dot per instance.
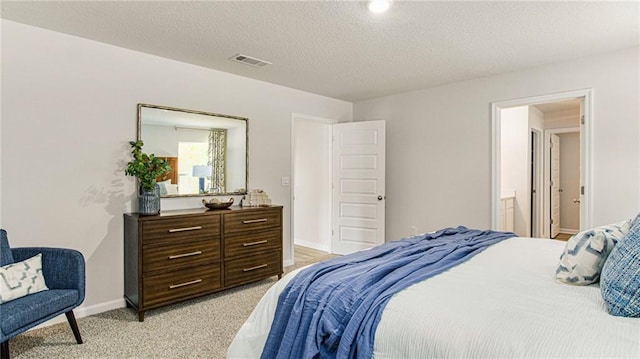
(378, 6)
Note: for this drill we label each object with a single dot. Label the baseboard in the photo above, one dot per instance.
(287, 263)
(324, 248)
(568, 231)
(99, 308)
(85, 311)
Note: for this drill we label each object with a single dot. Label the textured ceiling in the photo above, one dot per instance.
(339, 49)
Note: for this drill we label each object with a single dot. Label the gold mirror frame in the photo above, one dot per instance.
(194, 122)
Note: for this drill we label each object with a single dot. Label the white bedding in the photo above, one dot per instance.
(502, 303)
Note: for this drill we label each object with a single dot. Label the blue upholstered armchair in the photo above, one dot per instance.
(63, 271)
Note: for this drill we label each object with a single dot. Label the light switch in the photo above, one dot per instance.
(284, 181)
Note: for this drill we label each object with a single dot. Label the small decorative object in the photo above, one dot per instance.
(146, 168)
(256, 198)
(215, 203)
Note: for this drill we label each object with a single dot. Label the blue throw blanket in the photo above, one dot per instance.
(332, 309)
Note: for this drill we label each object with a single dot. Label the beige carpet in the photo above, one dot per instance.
(199, 328)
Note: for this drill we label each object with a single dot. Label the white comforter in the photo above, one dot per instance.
(503, 303)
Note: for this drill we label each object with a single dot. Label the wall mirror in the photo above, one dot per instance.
(206, 151)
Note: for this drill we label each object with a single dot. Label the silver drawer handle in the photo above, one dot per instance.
(185, 229)
(254, 243)
(174, 286)
(185, 255)
(254, 221)
(254, 268)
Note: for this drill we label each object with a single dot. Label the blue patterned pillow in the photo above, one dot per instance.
(620, 282)
(6, 257)
(585, 253)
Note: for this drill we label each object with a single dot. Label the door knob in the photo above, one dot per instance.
(379, 198)
(576, 200)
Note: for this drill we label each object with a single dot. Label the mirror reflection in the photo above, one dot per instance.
(207, 152)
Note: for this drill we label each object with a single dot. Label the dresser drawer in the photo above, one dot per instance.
(252, 244)
(180, 255)
(180, 229)
(243, 222)
(164, 288)
(243, 270)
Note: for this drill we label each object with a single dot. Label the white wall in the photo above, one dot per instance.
(312, 183)
(439, 152)
(516, 126)
(562, 119)
(236, 143)
(536, 122)
(161, 140)
(514, 166)
(68, 112)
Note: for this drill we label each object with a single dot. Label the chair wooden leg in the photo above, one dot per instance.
(74, 326)
(4, 350)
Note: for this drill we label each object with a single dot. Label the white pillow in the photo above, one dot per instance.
(171, 188)
(163, 186)
(20, 279)
(585, 253)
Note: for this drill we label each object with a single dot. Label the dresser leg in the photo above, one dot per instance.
(141, 316)
(279, 276)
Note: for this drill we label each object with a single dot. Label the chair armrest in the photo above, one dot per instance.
(62, 268)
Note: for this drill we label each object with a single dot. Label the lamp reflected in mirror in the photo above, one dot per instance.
(202, 172)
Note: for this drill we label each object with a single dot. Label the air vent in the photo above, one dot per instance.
(248, 60)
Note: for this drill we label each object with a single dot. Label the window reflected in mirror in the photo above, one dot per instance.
(207, 152)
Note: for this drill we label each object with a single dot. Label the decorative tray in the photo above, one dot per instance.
(216, 204)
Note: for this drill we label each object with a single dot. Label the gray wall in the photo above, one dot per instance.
(439, 142)
(68, 112)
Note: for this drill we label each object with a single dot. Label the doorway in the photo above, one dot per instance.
(311, 182)
(338, 183)
(562, 152)
(532, 211)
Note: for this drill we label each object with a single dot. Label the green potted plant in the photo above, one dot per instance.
(146, 167)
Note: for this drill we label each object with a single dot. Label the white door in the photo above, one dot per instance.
(570, 182)
(555, 185)
(358, 186)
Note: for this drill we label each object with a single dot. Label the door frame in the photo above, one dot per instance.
(294, 118)
(586, 147)
(536, 150)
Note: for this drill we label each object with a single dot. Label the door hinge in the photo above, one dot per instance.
(582, 119)
(551, 220)
(581, 189)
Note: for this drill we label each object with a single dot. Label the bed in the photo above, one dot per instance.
(503, 302)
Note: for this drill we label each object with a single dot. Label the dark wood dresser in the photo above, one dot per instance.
(179, 255)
